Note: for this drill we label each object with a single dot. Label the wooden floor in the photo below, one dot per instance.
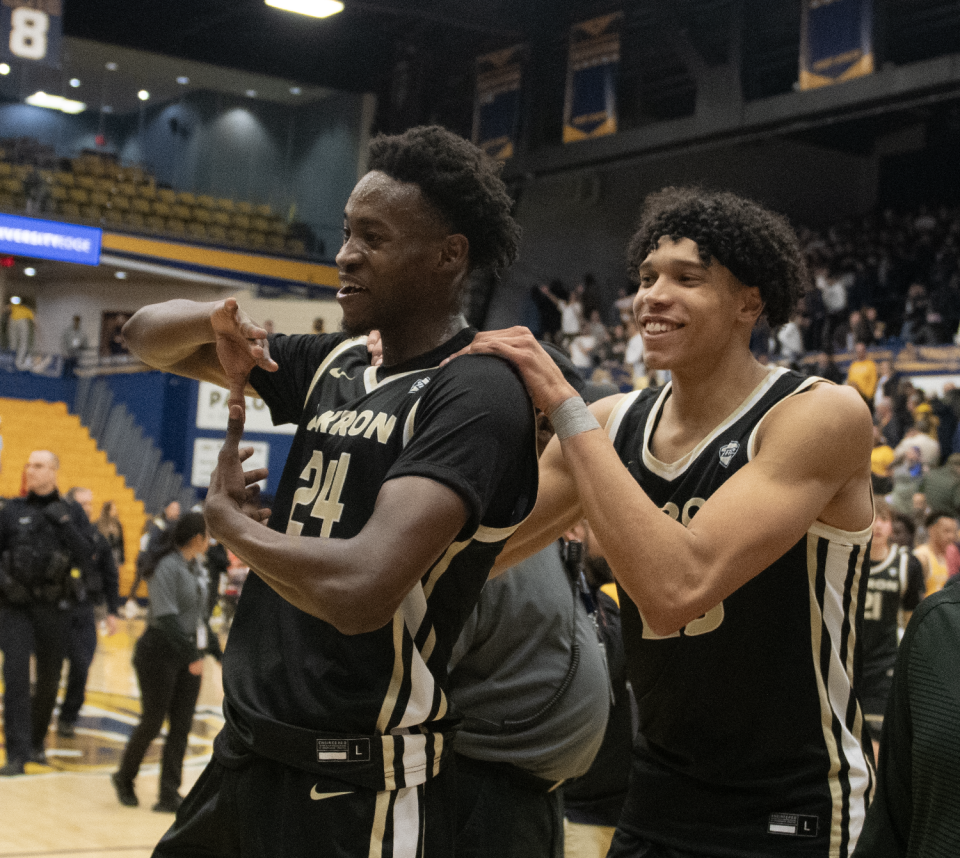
(69, 807)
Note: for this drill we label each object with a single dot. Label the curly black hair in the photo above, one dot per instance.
(758, 246)
(461, 182)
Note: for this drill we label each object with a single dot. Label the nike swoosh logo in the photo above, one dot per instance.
(320, 796)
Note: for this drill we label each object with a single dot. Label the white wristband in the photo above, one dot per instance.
(572, 417)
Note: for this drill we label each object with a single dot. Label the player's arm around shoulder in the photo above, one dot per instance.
(558, 505)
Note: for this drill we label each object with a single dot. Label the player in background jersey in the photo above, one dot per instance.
(895, 585)
(402, 484)
(740, 606)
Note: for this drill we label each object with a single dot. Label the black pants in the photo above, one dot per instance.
(41, 630)
(167, 690)
(502, 815)
(81, 646)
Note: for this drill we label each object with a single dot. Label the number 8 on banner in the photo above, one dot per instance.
(28, 33)
(31, 30)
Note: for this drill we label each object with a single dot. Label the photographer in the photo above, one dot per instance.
(45, 555)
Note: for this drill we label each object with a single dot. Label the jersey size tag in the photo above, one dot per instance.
(343, 750)
(793, 825)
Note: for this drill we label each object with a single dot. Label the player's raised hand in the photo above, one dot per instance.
(543, 379)
(241, 345)
(231, 488)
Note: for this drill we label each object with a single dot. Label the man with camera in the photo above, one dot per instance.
(45, 554)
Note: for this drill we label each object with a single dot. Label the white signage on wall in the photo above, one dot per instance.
(212, 412)
(205, 451)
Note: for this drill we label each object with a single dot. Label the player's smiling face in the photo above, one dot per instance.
(685, 310)
(392, 242)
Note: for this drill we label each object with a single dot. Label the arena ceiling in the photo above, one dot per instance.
(352, 50)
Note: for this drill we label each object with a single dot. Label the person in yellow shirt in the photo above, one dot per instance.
(941, 531)
(20, 330)
(881, 463)
(863, 374)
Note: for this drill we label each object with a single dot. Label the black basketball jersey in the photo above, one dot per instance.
(750, 734)
(895, 582)
(370, 708)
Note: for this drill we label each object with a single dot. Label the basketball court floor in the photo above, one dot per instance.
(69, 808)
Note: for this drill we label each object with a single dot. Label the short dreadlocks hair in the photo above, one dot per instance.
(759, 247)
(461, 182)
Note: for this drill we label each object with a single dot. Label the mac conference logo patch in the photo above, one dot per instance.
(727, 452)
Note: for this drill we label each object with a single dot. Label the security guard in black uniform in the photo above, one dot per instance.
(100, 592)
(45, 554)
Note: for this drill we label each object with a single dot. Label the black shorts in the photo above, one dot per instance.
(626, 845)
(265, 809)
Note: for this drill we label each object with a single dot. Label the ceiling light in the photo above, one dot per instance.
(107, 108)
(30, 272)
(4, 68)
(251, 93)
(55, 102)
(74, 82)
(111, 66)
(295, 90)
(120, 275)
(313, 8)
(143, 95)
(14, 299)
(183, 80)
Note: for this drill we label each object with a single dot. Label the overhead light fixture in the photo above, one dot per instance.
(251, 93)
(4, 68)
(313, 8)
(143, 95)
(107, 108)
(183, 80)
(30, 272)
(74, 82)
(120, 275)
(55, 102)
(295, 90)
(15, 299)
(111, 66)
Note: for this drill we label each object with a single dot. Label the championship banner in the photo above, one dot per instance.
(836, 41)
(590, 108)
(31, 30)
(496, 110)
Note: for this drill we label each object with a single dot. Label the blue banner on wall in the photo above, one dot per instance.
(50, 239)
(496, 112)
(590, 108)
(836, 41)
(31, 30)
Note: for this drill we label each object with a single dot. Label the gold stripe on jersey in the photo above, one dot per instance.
(619, 411)
(429, 644)
(442, 565)
(329, 359)
(380, 815)
(409, 422)
(390, 699)
(835, 689)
